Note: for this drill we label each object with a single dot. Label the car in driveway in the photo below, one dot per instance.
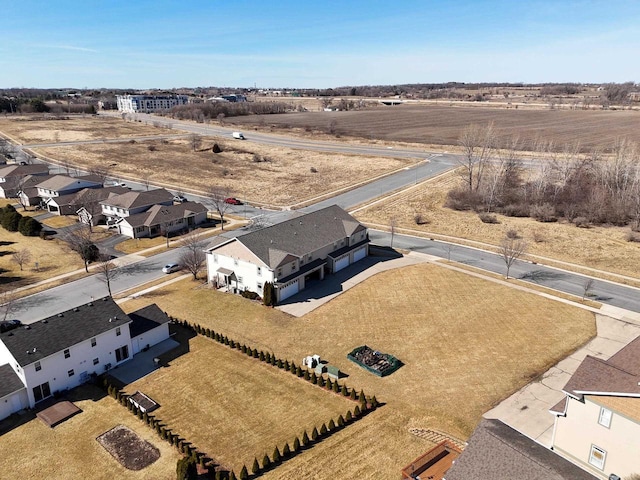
(7, 325)
(170, 268)
(179, 199)
(232, 201)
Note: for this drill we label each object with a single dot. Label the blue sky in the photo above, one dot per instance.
(165, 44)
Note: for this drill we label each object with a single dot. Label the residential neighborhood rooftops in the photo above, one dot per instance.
(159, 214)
(38, 340)
(9, 381)
(496, 450)
(62, 182)
(23, 170)
(300, 235)
(146, 319)
(134, 199)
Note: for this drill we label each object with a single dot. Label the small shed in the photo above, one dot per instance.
(333, 372)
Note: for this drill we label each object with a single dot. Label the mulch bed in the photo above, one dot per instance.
(128, 448)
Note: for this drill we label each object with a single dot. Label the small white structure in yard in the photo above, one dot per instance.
(311, 361)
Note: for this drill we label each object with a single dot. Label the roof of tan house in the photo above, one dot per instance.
(133, 199)
(300, 235)
(618, 375)
(159, 214)
(61, 182)
(497, 451)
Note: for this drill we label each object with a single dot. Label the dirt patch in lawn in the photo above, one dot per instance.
(261, 174)
(128, 448)
(601, 247)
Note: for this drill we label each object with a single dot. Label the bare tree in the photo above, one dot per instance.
(101, 172)
(7, 303)
(448, 248)
(80, 241)
(258, 222)
(195, 141)
(90, 200)
(326, 102)
(510, 250)
(587, 286)
(192, 256)
(21, 257)
(107, 271)
(478, 144)
(393, 223)
(218, 197)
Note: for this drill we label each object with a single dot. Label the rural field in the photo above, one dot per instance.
(236, 408)
(261, 174)
(442, 124)
(33, 451)
(599, 247)
(462, 354)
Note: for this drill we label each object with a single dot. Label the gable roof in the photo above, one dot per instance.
(134, 199)
(23, 170)
(9, 381)
(496, 450)
(159, 214)
(146, 319)
(61, 331)
(300, 235)
(63, 182)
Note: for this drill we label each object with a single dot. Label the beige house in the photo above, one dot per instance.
(117, 207)
(163, 220)
(597, 424)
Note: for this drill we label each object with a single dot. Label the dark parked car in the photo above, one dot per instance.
(232, 201)
(7, 325)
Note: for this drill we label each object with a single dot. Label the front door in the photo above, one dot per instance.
(41, 392)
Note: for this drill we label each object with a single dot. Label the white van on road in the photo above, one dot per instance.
(238, 135)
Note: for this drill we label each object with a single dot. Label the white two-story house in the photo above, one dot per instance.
(12, 177)
(117, 207)
(62, 351)
(597, 424)
(60, 185)
(290, 253)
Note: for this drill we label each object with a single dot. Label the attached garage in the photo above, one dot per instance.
(359, 254)
(341, 263)
(289, 289)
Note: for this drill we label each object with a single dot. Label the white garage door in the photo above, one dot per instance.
(342, 263)
(290, 289)
(359, 254)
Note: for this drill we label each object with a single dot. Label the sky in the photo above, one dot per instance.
(141, 44)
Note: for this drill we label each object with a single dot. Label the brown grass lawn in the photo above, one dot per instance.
(442, 124)
(603, 248)
(34, 129)
(286, 178)
(70, 450)
(466, 343)
(237, 408)
(60, 221)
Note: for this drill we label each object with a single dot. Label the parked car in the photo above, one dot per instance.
(7, 325)
(238, 135)
(232, 201)
(180, 199)
(170, 268)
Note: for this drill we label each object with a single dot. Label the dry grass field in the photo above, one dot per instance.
(286, 178)
(463, 353)
(35, 129)
(602, 248)
(236, 408)
(34, 451)
(442, 124)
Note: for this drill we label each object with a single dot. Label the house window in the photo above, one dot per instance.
(239, 279)
(259, 271)
(118, 332)
(67, 353)
(259, 285)
(279, 272)
(38, 366)
(215, 258)
(597, 457)
(96, 361)
(293, 267)
(235, 261)
(71, 373)
(605, 417)
(93, 342)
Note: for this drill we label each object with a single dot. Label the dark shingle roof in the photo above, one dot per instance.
(496, 451)
(63, 182)
(300, 235)
(9, 381)
(55, 333)
(145, 319)
(134, 199)
(23, 170)
(159, 214)
(597, 375)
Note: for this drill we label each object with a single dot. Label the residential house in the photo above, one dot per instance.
(163, 220)
(60, 185)
(290, 253)
(597, 424)
(120, 206)
(28, 193)
(496, 451)
(62, 351)
(12, 177)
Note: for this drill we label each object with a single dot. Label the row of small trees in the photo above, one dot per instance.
(12, 221)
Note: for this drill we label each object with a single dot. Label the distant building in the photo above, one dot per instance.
(149, 103)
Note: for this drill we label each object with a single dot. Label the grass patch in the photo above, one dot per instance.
(448, 328)
(236, 408)
(60, 221)
(70, 450)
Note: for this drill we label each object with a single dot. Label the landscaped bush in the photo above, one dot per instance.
(250, 295)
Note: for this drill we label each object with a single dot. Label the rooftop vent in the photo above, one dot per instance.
(34, 350)
(45, 321)
(27, 327)
(91, 304)
(110, 319)
(76, 309)
(60, 315)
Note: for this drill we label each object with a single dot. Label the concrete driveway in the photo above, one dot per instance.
(527, 410)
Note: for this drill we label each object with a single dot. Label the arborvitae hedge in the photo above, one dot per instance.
(266, 462)
(244, 473)
(286, 451)
(296, 444)
(314, 434)
(276, 455)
